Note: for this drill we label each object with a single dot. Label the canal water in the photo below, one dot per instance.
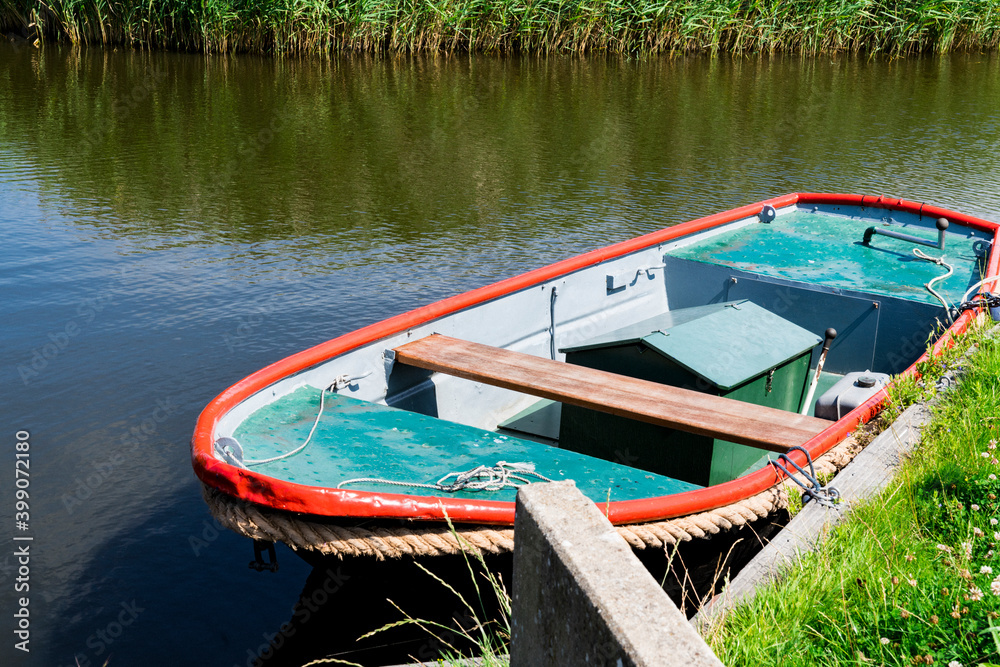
(171, 223)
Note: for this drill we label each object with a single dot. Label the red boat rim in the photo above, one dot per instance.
(329, 502)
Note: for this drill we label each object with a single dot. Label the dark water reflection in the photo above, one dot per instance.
(172, 223)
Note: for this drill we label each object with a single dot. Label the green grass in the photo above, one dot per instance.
(508, 26)
(913, 577)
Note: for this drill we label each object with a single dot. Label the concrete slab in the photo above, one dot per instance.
(581, 597)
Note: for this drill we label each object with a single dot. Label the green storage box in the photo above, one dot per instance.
(737, 350)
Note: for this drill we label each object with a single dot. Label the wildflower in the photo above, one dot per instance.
(904, 614)
(884, 641)
(994, 522)
(954, 663)
(992, 444)
(985, 455)
(996, 535)
(975, 595)
(944, 547)
(965, 574)
(986, 569)
(934, 620)
(992, 476)
(912, 582)
(944, 592)
(967, 547)
(955, 614)
(994, 461)
(975, 508)
(977, 532)
(995, 586)
(895, 581)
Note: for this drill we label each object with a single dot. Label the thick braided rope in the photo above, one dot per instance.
(395, 541)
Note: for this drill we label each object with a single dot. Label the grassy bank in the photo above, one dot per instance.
(506, 26)
(914, 576)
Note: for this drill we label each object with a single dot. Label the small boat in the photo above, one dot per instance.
(666, 376)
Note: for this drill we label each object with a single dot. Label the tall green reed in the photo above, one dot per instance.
(523, 26)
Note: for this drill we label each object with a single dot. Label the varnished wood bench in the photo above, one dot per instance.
(674, 407)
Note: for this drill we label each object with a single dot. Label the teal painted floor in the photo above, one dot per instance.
(835, 257)
(361, 439)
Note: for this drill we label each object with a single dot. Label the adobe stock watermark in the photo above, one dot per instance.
(444, 641)
(211, 529)
(248, 149)
(121, 107)
(137, 435)
(302, 613)
(100, 641)
(60, 339)
(248, 321)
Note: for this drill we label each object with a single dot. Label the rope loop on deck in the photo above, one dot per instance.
(481, 478)
(229, 449)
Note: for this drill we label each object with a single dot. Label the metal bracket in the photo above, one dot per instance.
(258, 563)
(942, 225)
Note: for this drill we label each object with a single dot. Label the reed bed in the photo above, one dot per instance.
(514, 26)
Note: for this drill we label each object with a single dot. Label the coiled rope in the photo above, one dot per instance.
(483, 478)
(827, 496)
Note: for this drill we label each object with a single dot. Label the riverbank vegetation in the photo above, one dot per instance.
(512, 26)
(913, 577)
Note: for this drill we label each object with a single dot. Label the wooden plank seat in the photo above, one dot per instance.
(674, 407)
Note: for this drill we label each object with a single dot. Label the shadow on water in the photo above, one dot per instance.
(342, 600)
(174, 589)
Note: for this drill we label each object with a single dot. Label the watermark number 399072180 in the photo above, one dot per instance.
(22, 539)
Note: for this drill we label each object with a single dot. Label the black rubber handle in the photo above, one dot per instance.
(831, 333)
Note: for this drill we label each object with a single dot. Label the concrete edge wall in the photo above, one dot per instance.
(581, 597)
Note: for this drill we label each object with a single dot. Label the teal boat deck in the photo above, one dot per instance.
(826, 250)
(357, 439)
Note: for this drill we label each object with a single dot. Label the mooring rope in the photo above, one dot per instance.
(826, 496)
(232, 452)
(930, 286)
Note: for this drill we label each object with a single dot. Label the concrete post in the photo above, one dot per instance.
(581, 597)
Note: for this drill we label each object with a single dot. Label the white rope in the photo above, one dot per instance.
(930, 286)
(339, 383)
(482, 478)
(981, 283)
